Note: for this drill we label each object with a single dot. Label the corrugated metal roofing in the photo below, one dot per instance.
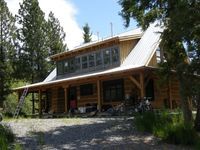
(145, 48)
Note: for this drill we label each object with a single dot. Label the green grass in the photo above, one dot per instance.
(6, 137)
(169, 127)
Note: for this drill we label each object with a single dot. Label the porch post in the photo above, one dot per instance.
(40, 103)
(66, 103)
(99, 95)
(142, 89)
(170, 95)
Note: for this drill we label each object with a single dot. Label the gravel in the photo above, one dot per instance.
(83, 133)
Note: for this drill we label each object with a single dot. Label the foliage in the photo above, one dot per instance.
(55, 37)
(32, 35)
(180, 36)
(167, 126)
(7, 46)
(6, 137)
(11, 102)
(87, 35)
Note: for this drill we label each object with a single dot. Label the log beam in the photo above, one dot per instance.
(40, 103)
(135, 81)
(99, 95)
(66, 102)
(142, 93)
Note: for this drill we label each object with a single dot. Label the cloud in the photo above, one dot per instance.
(65, 11)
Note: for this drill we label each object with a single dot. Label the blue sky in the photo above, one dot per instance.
(99, 14)
(73, 14)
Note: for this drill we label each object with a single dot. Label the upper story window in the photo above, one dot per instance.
(60, 68)
(104, 58)
(115, 55)
(91, 60)
(85, 62)
(78, 63)
(99, 61)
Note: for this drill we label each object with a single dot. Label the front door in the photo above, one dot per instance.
(72, 97)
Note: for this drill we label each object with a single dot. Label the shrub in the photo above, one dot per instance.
(181, 134)
(6, 137)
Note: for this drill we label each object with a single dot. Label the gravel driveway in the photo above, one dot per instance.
(83, 133)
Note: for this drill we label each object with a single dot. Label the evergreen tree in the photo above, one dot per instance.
(7, 48)
(181, 34)
(56, 36)
(87, 35)
(32, 35)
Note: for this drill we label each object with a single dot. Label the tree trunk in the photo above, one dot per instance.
(197, 119)
(187, 112)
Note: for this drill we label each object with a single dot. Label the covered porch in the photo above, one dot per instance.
(97, 90)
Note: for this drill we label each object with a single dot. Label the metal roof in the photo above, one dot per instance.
(145, 48)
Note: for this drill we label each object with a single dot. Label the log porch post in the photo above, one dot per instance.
(40, 103)
(142, 93)
(99, 95)
(66, 103)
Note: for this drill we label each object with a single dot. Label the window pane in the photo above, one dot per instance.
(98, 59)
(78, 63)
(84, 62)
(106, 57)
(72, 65)
(91, 60)
(66, 66)
(60, 69)
(115, 55)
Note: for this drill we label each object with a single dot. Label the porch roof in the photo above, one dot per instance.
(113, 71)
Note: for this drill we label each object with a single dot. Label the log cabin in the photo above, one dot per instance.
(106, 73)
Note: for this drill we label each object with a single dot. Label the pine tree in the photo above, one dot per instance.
(87, 35)
(56, 35)
(7, 48)
(181, 34)
(32, 35)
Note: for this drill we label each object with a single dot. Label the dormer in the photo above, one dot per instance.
(95, 56)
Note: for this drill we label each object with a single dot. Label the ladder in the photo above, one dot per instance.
(21, 102)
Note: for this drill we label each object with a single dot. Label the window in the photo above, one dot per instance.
(86, 89)
(60, 68)
(78, 63)
(84, 62)
(98, 59)
(91, 60)
(72, 65)
(66, 66)
(115, 55)
(106, 57)
(113, 90)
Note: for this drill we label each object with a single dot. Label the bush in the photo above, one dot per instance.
(6, 137)
(167, 126)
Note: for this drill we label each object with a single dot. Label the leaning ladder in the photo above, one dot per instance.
(20, 104)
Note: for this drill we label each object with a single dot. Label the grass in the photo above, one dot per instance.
(6, 137)
(169, 127)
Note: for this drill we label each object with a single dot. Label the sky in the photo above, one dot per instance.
(74, 14)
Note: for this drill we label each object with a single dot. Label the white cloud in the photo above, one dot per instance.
(65, 11)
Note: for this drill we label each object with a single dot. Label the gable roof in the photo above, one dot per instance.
(145, 48)
(138, 58)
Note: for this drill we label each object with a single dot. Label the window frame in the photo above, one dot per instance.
(113, 86)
